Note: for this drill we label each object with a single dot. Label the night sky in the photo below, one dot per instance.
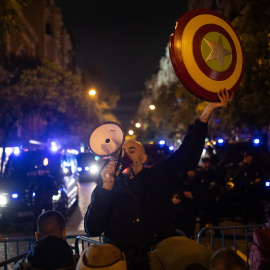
(124, 39)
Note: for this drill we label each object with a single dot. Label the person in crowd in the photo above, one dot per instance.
(134, 212)
(267, 214)
(41, 190)
(209, 191)
(226, 259)
(247, 183)
(260, 249)
(183, 211)
(214, 162)
(50, 250)
(185, 203)
(110, 258)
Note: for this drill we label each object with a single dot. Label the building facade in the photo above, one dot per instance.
(42, 35)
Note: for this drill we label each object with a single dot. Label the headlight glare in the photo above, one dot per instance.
(94, 169)
(3, 200)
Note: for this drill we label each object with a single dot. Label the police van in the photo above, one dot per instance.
(23, 167)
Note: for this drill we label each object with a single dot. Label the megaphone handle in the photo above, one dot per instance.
(118, 164)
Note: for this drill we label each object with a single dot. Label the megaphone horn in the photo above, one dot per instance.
(106, 139)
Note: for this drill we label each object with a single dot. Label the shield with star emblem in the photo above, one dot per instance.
(206, 53)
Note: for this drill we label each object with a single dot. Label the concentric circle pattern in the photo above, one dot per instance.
(206, 54)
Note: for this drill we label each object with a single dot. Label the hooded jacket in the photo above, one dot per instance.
(50, 252)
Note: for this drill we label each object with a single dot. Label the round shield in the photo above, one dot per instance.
(206, 54)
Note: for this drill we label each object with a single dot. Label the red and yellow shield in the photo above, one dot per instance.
(206, 53)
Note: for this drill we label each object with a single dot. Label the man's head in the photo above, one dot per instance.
(137, 154)
(206, 163)
(226, 259)
(51, 223)
(248, 157)
(176, 197)
(191, 174)
(103, 257)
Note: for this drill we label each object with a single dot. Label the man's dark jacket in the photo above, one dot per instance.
(50, 252)
(137, 213)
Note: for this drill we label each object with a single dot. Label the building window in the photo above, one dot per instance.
(48, 29)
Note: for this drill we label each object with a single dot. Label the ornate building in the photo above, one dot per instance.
(42, 35)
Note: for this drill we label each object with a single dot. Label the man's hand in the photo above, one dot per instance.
(224, 98)
(107, 175)
(188, 194)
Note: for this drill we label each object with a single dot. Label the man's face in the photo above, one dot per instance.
(248, 159)
(136, 152)
(206, 165)
(176, 199)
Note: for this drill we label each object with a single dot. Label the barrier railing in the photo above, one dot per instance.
(82, 241)
(245, 228)
(17, 248)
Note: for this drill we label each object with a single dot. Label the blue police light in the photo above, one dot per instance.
(16, 151)
(256, 141)
(171, 148)
(267, 184)
(79, 169)
(14, 195)
(53, 146)
(220, 141)
(161, 142)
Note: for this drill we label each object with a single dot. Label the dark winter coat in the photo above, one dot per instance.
(137, 213)
(50, 252)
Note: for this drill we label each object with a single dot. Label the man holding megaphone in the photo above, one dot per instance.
(133, 211)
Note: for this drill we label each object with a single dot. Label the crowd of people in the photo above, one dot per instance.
(139, 211)
(203, 196)
(51, 251)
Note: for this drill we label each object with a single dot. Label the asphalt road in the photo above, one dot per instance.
(75, 223)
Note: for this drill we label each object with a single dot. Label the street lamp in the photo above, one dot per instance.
(138, 125)
(152, 107)
(130, 132)
(92, 92)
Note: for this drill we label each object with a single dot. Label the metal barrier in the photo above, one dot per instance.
(20, 248)
(246, 229)
(82, 240)
(89, 241)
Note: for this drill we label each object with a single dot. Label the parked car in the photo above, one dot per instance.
(88, 166)
(15, 198)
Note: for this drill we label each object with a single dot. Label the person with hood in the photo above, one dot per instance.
(50, 250)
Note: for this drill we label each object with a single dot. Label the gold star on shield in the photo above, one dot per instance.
(217, 51)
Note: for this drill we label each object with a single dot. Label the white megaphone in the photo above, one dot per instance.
(106, 140)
